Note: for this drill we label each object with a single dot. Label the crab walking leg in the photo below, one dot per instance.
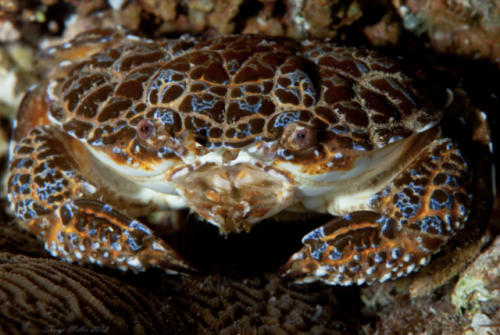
(89, 43)
(410, 220)
(55, 201)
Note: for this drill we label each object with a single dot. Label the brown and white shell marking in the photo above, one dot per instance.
(238, 129)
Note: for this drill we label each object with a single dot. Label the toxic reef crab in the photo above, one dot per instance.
(238, 129)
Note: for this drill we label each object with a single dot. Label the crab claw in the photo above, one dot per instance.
(87, 230)
(160, 254)
(359, 247)
(410, 221)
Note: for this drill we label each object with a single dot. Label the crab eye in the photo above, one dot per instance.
(298, 137)
(145, 129)
(304, 137)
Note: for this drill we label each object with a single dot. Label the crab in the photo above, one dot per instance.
(238, 129)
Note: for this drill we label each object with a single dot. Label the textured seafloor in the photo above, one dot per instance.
(458, 39)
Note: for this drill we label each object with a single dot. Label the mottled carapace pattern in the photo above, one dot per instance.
(121, 107)
(237, 90)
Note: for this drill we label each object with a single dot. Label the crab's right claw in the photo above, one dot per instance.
(87, 229)
(53, 199)
(410, 220)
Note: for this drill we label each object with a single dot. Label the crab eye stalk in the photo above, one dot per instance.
(145, 129)
(298, 137)
(153, 132)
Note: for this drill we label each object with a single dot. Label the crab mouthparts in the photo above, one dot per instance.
(234, 198)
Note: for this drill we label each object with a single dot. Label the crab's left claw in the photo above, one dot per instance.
(359, 247)
(409, 222)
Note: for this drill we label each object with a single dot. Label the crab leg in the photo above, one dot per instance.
(55, 198)
(409, 221)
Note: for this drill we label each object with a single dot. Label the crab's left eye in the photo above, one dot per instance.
(145, 129)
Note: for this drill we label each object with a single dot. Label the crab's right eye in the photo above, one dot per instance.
(298, 137)
(145, 129)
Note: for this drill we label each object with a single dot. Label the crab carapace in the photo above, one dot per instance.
(238, 129)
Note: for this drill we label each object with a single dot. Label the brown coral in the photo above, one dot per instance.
(261, 306)
(471, 307)
(465, 28)
(477, 293)
(298, 19)
(16, 241)
(320, 18)
(40, 295)
(426, 315)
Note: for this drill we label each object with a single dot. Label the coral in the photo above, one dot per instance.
(385, 32)
(166, 10)
(8, 32)
(319, 18)
(297, 19)
(13, 240)
(262, 305)
(465, 28)
(472, 306)
(265, 22)
(16, 66)
(9, 5)
(426, 315)
(477, 293)
(479, 282)
(38, 295)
